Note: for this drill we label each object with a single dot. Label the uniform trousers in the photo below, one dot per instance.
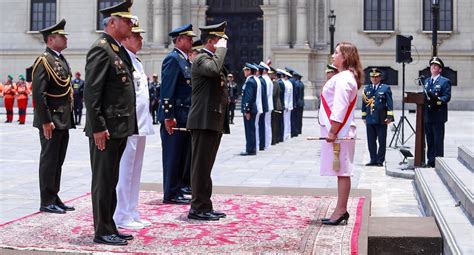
(9, 101)
(78, 110)
(53, 153)
(294, 122)
(231, 112)
(276, 119)
(257, 131)
(261, 131)
(205, 144)
(377, 132)
(175, 155)
(128, 187)
(22, 104)
(434, 132)
(268, 129)
(249, 126)
(287, 126)
(105, 174)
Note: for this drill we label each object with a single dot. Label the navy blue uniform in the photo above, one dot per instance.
(283, 106)
(377, 106)
(154, 90)
(437, 96)
(78, 86)
(294, 112)
(175, 101)
(249, 98)
(297, 113)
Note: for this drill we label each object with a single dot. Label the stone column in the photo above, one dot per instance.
(283, 24)
(176, 14)
(159, 22)
(269, 28)
(301, 27)
(198, 14)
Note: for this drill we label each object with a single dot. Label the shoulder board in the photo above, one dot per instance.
(115, 47)
(103, 41)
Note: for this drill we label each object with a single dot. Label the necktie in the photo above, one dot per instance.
(61, 56)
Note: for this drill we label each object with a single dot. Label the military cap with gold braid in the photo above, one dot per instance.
(183, 30)
(330, 68)
(217, 30)
(120, 10)
(57, 28)
(197, 45)
(136, 26)
(375, 72)
(436, 60)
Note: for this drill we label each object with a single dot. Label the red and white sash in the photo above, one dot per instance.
(325, 117)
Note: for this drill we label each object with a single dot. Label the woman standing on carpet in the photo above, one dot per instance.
(336, 116)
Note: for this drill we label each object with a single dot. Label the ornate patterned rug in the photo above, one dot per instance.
(254, 224)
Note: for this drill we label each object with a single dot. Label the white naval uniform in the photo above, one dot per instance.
(128, 186)
(258, 101)
(288, 109)
(268, 120)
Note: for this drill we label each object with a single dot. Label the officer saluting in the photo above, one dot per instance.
(109, 97)
(437, 90)
(175, 100)
(377, 112)
(52, 93)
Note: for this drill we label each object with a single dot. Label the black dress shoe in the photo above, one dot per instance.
(195, 215)
(186, 190)
(110, 240)
(379, 164)
(371, 164)
(52, 209)
(125, 236)
(244, 153)
(66, 207)
(219, 214)
(178, 200)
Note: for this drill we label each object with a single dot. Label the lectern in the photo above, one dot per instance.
(418, 99)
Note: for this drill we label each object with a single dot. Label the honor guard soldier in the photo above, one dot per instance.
(154, 91)
(109, 97)
(288, 103)
(299, 104)
(377, 113)
(78, 85)
(277, 107)
(437, 91)
(260, 132)
(175, 98)
(249, 109)
(8, 93)
(52, 93)
(208, 118)
(197, 46)
(294, 112)
(269, 95)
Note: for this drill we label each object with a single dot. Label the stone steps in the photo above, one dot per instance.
(459, 181)
(466, 157)
(436, 200)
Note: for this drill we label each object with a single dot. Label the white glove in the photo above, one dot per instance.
(222, 43)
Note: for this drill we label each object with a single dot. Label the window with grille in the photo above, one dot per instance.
(43, 14)
(379, 15)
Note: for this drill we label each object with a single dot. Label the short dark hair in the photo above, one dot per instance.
(206, 37)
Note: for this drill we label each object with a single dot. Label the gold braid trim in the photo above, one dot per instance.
(60, 82)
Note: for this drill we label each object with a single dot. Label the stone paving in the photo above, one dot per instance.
(294, 163)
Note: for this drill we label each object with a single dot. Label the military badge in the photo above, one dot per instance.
(115, 47)
(103, 41)
(124, 78)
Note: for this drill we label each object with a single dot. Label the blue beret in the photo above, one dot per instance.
(183, 30)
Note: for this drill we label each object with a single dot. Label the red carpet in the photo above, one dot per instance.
(254, 224)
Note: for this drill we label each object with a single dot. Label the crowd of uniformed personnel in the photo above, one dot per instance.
(194, 104)
(272, 105)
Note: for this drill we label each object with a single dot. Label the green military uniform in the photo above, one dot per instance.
(208, 118)
(52, 93)
(109, 97)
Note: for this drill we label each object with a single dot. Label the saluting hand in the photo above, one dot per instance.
(48, 130)
(100, 139)
(169, 125)
(222, 43)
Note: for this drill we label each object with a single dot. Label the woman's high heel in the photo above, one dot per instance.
(342, 220)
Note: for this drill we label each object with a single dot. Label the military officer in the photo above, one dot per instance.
(109, 97)
(277, 107)
(208, 118)
(437, 90)
(260, 132)
(52, 93)
(233, 96)
(269, 95)
(249, 108)
(175, 98)
(377, 113)
(331, 70)
(154, 91)
(197, 46)
(78, 85)
(299, 105)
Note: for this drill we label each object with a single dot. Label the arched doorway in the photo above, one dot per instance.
(245, 31)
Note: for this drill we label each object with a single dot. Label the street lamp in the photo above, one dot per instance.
(332, 28)
(435, 15)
